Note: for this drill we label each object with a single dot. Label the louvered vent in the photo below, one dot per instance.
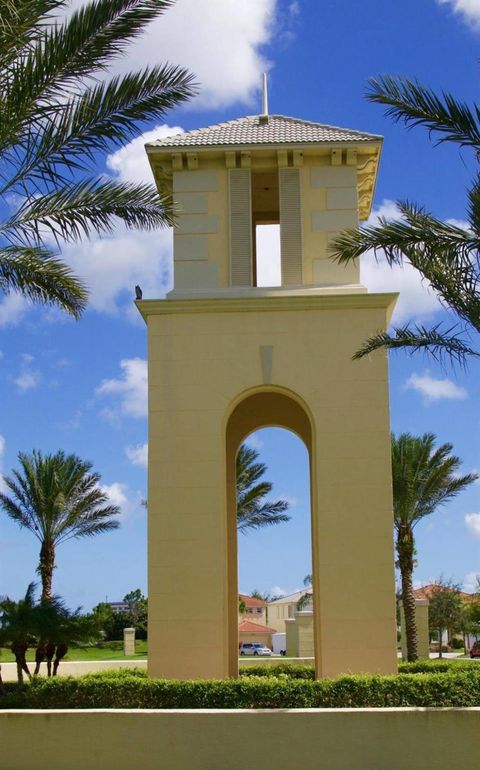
(290, 226)
(240, 227)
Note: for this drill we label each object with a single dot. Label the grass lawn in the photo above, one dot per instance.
(104, 651)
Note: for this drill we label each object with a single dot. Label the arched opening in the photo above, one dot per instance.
(268, 408)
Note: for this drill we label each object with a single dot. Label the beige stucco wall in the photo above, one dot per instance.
(278, 613)
(206, 358)
(390, 739)
(328, 204)
(300, 635)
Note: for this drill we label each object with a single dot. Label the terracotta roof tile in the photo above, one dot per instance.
(425, 592)
(247, 627)
(250, 601)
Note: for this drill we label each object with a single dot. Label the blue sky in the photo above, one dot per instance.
(81, 386)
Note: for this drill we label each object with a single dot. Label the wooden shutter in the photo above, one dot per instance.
(240, 227)
(290, 226)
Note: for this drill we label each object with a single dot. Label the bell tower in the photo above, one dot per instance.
(227, 356)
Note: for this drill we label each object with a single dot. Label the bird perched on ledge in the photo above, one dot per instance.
(138, 292)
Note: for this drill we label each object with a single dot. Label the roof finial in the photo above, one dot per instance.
(264, 115)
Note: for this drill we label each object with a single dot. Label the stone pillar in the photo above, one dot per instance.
(129, 641)
(423, 635)
(299, 635)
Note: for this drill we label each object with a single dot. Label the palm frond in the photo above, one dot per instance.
(446, 255)
(253, 509)
(103, 116)
(263, 516)
(66, 54)
(437, 343)
(90, 205)
(38, 275)
(415, 105)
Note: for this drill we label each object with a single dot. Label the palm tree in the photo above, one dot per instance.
(58, 116)
(253, 511)
(57, 498)
(446, 255)
(424, 478)
(17, 627)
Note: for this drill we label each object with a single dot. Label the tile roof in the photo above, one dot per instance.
(279, 129)
(291, 598)
(425, 592)
(247, 627)
(250, 601)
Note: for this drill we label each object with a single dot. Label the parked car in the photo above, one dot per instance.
(475, 650)
(254, 648)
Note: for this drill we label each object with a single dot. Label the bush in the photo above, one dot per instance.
(293, 671)
(435, 666)
(132, 690)
(457, 644)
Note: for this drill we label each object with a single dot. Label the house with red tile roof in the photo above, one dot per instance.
(252, 624)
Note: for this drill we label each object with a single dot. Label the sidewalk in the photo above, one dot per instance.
(74, 667)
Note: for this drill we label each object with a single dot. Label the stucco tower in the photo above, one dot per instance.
(227, 357)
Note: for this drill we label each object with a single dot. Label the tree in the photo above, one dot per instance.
(445, 254)
(58, 116)
(57, 498)
(47, 625)
(253, 511)
(18, 622)
(445, 609)
(425, 477)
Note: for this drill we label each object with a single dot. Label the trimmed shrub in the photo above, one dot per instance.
(293, 671)
(126, 690)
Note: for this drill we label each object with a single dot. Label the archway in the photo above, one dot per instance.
(265, 408)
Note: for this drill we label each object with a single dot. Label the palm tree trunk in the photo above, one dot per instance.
(405, 552)
(47, 563)
(62, 650)
(49, 653)
(40, 653)
(2, 688)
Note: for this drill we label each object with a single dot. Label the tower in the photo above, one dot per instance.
(227, 357)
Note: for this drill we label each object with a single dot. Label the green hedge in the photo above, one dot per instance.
(308, 672)
(132, 691)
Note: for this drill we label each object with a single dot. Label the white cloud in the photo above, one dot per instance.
(118, 494)
(471, 582)
(220, 41)
(112, 266)
(469, 9)
(29, 378)
(138, 455)
(129, 390)
(417, 299)
(292, 501)
(277, 591)
(130, 163)
(254, 442)
(472, 521)
(434, 390)
(12, 309)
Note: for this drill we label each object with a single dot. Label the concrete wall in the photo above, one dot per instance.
(350, 739)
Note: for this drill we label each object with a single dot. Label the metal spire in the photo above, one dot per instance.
(264, 115)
